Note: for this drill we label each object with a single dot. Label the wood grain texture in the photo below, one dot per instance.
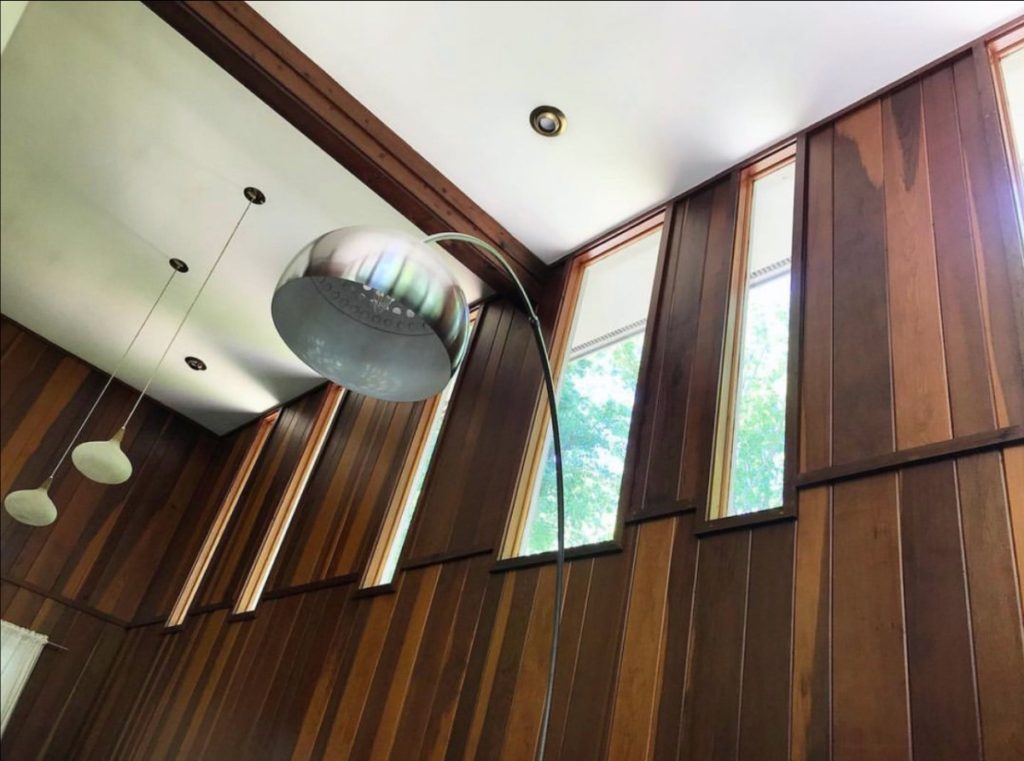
(862, 402)
(869, 703)
(816, 373)
(811, 711)
(106, 547)
(920, 394)
(52, 709)
(885, 621)
(939, 647)
(996, 614)
(711, 704)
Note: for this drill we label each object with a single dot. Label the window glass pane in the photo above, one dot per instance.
(419, 476)
(1013, 83)
(595, 400)
(759, 412)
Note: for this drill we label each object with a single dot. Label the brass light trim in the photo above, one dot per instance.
(548, 121)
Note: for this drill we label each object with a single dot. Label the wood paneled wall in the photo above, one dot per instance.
(104, 550)
(64, 684)
(913, 317)
(884, 623)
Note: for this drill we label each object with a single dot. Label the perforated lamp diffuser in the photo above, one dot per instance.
(377, 312)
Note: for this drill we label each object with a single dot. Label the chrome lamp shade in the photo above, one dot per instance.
(375, 311)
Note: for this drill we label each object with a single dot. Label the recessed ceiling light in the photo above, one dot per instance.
(547, 121)
(195, 363)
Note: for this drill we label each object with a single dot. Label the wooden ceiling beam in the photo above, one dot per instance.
(255, 53)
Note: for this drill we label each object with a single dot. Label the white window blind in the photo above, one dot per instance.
(19, 651)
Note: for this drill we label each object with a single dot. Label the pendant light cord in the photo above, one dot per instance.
(113, 374)
(556, 441)
(184, 318)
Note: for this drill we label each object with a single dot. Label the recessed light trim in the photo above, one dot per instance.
(195, 363)
(547, 121)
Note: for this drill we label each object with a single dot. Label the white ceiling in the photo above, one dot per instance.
(659, 95)
(123, 145)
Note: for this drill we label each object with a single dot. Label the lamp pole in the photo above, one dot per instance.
(549, 384)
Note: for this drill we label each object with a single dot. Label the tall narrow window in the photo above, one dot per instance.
(1008, 63)
(221, 520)
(259, 571)
(597, 360)
(750, 431)
(388, 549)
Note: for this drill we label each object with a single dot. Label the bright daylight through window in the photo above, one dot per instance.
(385, 561)
(1011, 67)
(596, 387)
(751, 424)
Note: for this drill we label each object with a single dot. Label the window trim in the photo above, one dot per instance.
(508, 556)
(718, 477)
(275, 532)
(999, 48)
(214, 535)
(370, 581)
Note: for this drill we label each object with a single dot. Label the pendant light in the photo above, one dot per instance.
(34, 506)
(377, 312)
(105, 461)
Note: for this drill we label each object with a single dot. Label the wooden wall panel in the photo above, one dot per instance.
(939, 648)
(812, 629)
(104, 550)
(914, 273)
(672, 461)
(335, 523)
(480, 450)
(996, 613)
(861, 365)
(258, 502)
(920, 393)
(884, 623)
(868, 661)
(64, 684)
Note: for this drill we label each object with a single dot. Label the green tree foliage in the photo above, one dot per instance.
(595, 404)
(595, 408)
(760, 421)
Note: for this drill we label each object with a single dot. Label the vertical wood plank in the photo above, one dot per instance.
(643, 648)
(816, 367)
(667, 741)
(812, 629)
(943, 701)
(920, 394)
(764, 705)
(702, 394)
(1013, 467)
(711, 706)
(995, 606)
(1000, 262)
(862, 404)
(970, 388)
(869, 704)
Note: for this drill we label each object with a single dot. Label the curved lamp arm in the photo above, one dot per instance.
(549, 383)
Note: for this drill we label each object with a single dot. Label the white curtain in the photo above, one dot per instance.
(19, 651)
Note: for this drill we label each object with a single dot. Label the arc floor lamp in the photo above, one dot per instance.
(377, 311)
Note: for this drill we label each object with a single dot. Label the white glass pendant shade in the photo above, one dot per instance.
(376, 311)
(103, 461)
(32, 507)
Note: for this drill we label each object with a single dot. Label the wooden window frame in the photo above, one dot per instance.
(215, 534)
(711, 516)
(508, 555)
(371, 579)
(273, 537)
(998, 49)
